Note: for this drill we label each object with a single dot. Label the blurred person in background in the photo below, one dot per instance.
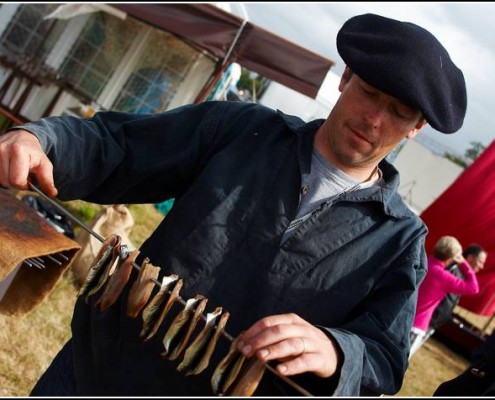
(476, 256)
(437, 283)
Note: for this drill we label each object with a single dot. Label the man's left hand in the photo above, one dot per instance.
(297, 344)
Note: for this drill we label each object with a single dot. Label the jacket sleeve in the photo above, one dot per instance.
(375, 344)
(117, 157)
(453, 284)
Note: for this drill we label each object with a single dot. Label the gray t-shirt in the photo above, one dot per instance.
(323, 183)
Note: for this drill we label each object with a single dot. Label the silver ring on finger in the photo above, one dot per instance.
(304, 346)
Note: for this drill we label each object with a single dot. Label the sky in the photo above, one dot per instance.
(466, 29)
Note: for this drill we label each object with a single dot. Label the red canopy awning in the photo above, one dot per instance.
(466, 210)
(232, 39)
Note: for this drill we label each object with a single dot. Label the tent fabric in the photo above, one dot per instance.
(279, 60)
(207, 26)
(216, 31)
(466, 210)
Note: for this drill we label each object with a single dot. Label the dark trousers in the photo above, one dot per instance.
(469, 383)
(58, 379)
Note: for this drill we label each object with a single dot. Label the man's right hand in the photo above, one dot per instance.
(21, 155)
(459, 258)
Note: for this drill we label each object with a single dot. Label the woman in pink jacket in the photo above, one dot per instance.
(437, 283)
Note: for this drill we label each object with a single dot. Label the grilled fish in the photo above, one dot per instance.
(141, 288)
(186, 321)
(99, 262)
(248, 378)
(117, 281)
(155, 312)
(227, 369)
(107, 269)
(198, 354)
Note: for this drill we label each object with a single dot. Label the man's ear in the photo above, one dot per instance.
(346, 75)
(413, 132)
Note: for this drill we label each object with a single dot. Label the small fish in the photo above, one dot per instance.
(155, 312)
(186, 320)
(248, 379)
(117, 281)
(227, 369)
(141, 288)
(198, 354)
(100, 260)
(107, 269)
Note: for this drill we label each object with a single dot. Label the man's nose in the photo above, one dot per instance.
(375, 114)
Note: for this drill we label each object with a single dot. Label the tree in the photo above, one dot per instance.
(470, 155)
(456, 159)
(474, 151)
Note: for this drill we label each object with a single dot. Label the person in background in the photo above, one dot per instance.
(295, 228)
(476, 256)
(437, 283)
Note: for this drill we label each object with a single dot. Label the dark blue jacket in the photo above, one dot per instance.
(235, 171)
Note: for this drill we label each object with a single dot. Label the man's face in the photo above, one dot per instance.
(477, 262)
(365, 125)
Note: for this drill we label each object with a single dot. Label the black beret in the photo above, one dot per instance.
(406, 61)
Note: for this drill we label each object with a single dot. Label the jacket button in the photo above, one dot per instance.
(476, 372)
(304, 190)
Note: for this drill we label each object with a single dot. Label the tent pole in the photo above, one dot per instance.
(212, 81)
(220, 68)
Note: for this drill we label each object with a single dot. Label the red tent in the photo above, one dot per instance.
(466, 210)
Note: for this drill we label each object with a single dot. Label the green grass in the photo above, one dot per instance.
(29, 342)
(431, 365)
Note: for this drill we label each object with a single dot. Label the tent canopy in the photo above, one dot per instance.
(232, 39)
(466, 210)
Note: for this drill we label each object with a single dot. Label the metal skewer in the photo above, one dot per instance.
(66, 213)
(39, 262)
(138, 267)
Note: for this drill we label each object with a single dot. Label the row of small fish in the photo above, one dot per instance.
(110, 270)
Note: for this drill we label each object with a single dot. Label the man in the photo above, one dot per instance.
(295, 228)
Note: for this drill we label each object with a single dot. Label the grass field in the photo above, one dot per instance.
(28, 343)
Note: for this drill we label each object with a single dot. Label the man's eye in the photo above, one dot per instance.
(405, 115)
(366, 91)
(370, 94)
